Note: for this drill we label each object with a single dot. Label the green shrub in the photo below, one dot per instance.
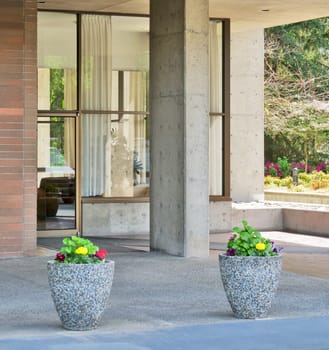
(284, 166)
(319, 180)
(276, 181)
(304, 177)
(286, 182)
(314, 181)
(299, 188)
(268, 180)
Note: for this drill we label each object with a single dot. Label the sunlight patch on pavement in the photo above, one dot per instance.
(307, 240)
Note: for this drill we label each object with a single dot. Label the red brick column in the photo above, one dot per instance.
(18, 136)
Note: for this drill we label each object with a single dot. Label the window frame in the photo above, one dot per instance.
(226, 191)
(226, 113)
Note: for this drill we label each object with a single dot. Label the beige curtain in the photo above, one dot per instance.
(138, 82)
(70, 99)
(216, 122)
(96, 83)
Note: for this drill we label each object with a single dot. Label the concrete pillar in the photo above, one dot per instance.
(247, 116)
(18, 124)
(179, 126)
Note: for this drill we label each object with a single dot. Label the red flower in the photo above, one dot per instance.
(60, 257)
(101, 254)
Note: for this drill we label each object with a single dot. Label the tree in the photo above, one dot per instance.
(56, 104)
(296, 79)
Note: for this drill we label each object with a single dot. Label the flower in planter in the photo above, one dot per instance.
(246, 241)
(78, 250)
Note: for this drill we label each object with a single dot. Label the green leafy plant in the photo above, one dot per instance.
(246, 241)
(78, 250)
(284, 166)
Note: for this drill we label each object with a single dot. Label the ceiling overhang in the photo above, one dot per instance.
(245, 15)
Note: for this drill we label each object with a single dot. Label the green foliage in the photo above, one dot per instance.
(316, 180)
(57, 140)
(284, 166)
(57, 104)
(78, 250)
(246, 241)
(296, 57)
(277, 181)
(319, 180)
(273, 171)
(298, 188)
(268, 180)
(286, 182)
(304, 177)
(296, 88)
(56, 89)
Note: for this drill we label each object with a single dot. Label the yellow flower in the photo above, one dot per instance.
(260, 246)
(81, 251)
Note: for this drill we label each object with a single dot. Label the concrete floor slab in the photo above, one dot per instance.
(164, 302)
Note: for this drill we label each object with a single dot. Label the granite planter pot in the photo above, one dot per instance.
(250, 283)
(80, 292)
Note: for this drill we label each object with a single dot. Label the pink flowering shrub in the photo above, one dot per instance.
(275, 170)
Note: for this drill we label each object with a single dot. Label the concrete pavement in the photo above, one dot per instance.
(287, 334)
(164, 302)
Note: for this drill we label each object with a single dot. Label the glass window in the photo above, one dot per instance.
(216, 155)
(217, 115)
(57, 61)
(129, 157)
(216, 66)
(56, 173)
(57, 92)
(115, 153)
(114, 99)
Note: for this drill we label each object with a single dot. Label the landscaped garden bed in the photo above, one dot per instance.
(279, 177)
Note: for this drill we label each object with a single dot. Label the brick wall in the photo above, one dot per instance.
(18, 138)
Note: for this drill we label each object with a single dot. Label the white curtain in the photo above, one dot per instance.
(216, 122)
(96, 96)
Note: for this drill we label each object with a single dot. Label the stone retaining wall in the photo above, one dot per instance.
(299, 197)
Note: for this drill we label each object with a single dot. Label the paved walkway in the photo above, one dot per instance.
(164, 302)
(289, 334)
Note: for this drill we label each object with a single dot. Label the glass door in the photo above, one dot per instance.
(56, 198)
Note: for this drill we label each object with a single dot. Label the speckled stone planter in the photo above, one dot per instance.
(80, 292)
(250, 283)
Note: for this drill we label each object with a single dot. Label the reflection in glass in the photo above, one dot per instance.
(216, 66)
(130, 156)
(216, 108)
(216, 156)
(57, 61)
(115, 155)
(114, 81)
(56, 173)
